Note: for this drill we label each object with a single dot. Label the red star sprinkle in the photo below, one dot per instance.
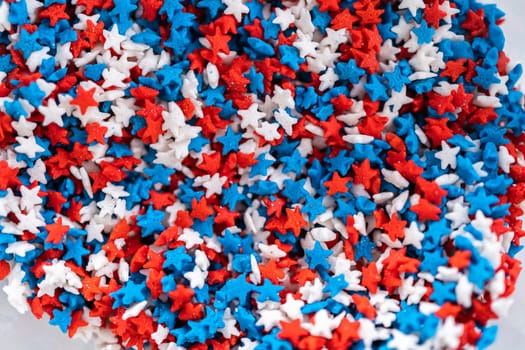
(395, 228)
(344, 19)
(93, 33)
(454, 69)
(475, 23)
(271, 271)
(54, 13)
(338, 184)
(56, 231)
(200, 209)
(329, 5)
(8, 176)
(367, 176)
(371, 277)
(76, 323)
(364, 306)
(433, 14)
(84, 99)
(96, 132)
(345, 334)
(219, 42)
(150, 9)
(426, 210)
(4, 269)
(292, 331)
(295, 221)
(430, 190)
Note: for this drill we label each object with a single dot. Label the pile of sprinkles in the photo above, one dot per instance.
(245, 174)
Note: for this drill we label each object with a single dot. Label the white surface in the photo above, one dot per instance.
(23, 332)
(512, 328)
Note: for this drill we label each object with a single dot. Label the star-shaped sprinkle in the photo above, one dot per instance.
(84, 99)
(56, 231)
(412, 5)
(236, 8)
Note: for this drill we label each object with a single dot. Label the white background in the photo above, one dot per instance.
(512, 328)
(23, 332)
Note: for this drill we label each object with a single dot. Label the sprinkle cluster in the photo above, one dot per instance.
(341, 174)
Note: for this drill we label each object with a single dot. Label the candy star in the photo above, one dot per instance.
(283, 98)
(57, 275)
(75, 251)
(113, 39)
(306, 46)
(123, 111)
(268, 131)
(464, 291)
(160, 334)
(269, 319)
(283, 18)
(31, 221)
(196, 277)
(286, 121)
(251, 116)
(28, 146)
(447, 155)
(24, 127)
(30, 197)
(230, 328)
(94, 231)
(16, 290)
(191, 238)
(449, 333)
(328, 79)
(403, 341)
(398, 99)
(4, 13)
(113, 78)
(64, 55)
(413, 236)
(457, 215)
(505, 159)
(235, 8)
(323, 324)
(36, 58)
(312, 292)
(56, 231)
(292, 331)
(84, 99)
(292, 307)
(27, 43)
(412, 5)
(19, 248)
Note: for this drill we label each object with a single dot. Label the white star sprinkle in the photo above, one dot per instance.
(28, 146)
(5, 24)
(413, 235)
(57, 276)
(235, 8)
(52, 113)
(305, 44)
(505, 159)
(447, 155)
(292, 307)
(251, 116)
(23, 127)
(113, 39)
(412, 5)
(16, 290)
(287, 122)
(283, 18)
